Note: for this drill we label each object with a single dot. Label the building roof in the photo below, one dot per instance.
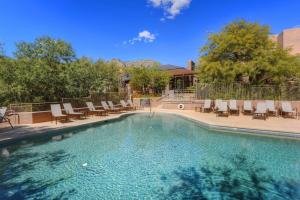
(181, 71)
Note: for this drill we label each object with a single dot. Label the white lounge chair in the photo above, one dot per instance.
(3, 117)
(217, 104)
(93, 110)
(271, 107)
(287, 109)
(247, 107)
(129, 101)
(261, 110)
(57, 113)
(233, 107)
(222, 109)
(112, 106)
(207, 105)
(125, 105)
(108, 109)
(70, 111)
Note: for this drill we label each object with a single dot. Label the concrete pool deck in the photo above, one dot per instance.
(277, 126)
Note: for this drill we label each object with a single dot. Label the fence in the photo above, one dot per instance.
(240, 91)
(179, 95)
(96, 98)
(30, 107)
(108, 96)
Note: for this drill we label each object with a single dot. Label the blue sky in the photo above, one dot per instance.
(171, 31)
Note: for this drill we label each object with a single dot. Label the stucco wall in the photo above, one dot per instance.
(291, 39)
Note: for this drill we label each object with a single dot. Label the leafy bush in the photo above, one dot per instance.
(147, 80)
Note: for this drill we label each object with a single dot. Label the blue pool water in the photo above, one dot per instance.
(163, 157)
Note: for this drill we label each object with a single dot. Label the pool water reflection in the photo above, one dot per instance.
(159, 157)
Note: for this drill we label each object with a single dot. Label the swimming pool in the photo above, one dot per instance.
(159, 157)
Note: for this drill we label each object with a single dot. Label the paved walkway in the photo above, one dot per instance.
(244, 122)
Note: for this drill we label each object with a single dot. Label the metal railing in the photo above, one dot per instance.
(96, 98)
(30, 107)
(240, 91)
(180, 95)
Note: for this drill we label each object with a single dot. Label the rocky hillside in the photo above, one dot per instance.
(146, 63)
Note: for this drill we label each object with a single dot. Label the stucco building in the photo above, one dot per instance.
(288, 38)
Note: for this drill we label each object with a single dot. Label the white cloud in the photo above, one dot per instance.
(147, 36)
(144, 36)
(171, 8)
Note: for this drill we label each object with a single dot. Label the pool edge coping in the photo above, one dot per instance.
(231, 129)
(244, 131)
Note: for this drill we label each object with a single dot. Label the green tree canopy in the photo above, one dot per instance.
(52, 51)
(243, 49)
(48, 70)
(107, 76)
(143, 79)
(41, 67)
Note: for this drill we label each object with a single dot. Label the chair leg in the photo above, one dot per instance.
(10, 123)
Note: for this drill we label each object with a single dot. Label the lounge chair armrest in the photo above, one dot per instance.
(76, 109)
(10, 112)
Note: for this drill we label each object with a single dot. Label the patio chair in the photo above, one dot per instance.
(207, 105)
(129, 102)
(217, 104)
(271, 109)
(233, 107)
(116, 107)
(3, 116)
(247, 107)
(57, 113)
(95, 111)
(125, 105)
(70, 111)
(287, 109)
(108, 109)
(260, 111)
(222, 109)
